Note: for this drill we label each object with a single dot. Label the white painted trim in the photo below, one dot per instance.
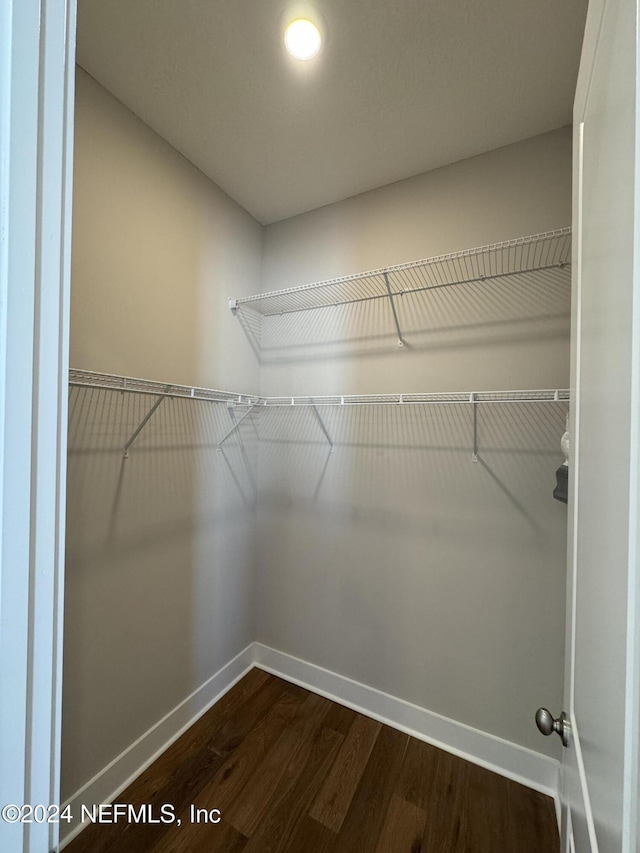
(508, 759)
(37, 66)
(630, 797)
(591, 38)
(116, 776)
(584, 805)
(601, 14)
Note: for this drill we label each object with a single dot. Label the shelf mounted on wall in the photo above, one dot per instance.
(250, 403)
(476, 399)
(161, 391)
(533, 256)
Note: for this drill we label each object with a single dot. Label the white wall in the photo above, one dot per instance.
(160, 547)
(456, 340)
(157, 249)
(396, 561)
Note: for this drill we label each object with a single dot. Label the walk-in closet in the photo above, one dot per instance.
(318, 475)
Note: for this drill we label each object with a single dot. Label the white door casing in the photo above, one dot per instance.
(36, 118)
(37, 63)
(600, 769)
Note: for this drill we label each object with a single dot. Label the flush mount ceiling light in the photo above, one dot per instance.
(302, 39)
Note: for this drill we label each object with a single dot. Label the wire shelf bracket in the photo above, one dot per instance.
(474, 455)
(235, 427)
(243, 453)
(393, 310)
(323, 427)
(142, 425)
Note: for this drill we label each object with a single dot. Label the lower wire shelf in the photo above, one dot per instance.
(127, 384)
(161, 390)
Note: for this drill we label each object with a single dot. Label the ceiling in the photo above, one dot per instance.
(399, 87)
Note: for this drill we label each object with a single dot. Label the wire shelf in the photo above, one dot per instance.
(89, 379)
(161, 391)
(109, 381)
(452, 398)
(532, 254)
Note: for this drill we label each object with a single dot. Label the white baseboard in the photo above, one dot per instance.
(116, 776)
(503, 757)
(508, 759)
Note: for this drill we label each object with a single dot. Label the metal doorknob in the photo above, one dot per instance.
(547, 724)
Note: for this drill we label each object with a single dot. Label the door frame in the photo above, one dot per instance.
(37, 72)
(37, 65)
(630, 816)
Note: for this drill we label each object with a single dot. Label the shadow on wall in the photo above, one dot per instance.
(153, 494)
(516, 308)
(430, 576)
(398, 465)
(154, 543)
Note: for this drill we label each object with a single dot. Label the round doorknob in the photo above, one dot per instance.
(547, 724)
(545, 721)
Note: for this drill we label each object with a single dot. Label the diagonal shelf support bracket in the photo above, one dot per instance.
(142, 425)
(234, 427)
(474, 455)
(243, 452)
(322, 426)
(393, 309)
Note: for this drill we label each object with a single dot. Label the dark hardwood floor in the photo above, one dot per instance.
(292, 772)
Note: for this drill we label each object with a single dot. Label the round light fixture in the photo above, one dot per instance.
(302, 39)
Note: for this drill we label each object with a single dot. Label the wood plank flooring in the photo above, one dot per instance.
(293, 772)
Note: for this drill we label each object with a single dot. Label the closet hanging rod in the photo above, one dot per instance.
(536, 255)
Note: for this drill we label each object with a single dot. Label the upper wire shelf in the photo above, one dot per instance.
(532, 254)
